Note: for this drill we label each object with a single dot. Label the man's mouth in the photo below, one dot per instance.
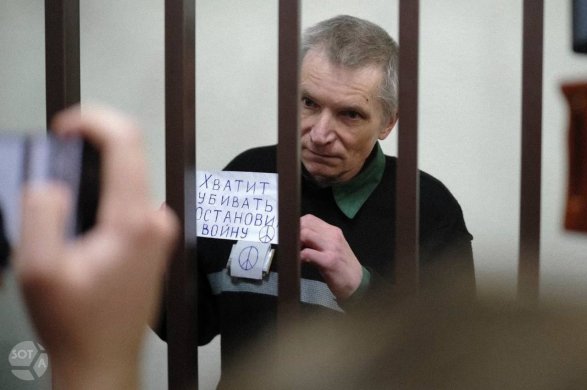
(320, 155)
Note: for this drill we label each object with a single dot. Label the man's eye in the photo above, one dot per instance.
(352, 114)
(309, 103)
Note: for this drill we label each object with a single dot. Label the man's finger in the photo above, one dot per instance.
(311, 220)
(45, 210)
(313, 239)
(312, 256)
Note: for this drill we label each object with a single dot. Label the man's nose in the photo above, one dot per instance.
(323, 131)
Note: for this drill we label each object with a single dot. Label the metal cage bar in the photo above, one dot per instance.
(180, 152)
(62, 55)
(407, 197)
(288, 162)
(530, 194)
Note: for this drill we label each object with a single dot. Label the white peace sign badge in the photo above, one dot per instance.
(247, 259)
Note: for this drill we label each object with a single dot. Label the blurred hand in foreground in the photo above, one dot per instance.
(91, 298)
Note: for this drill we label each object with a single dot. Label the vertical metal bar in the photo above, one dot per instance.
(180, 146)
(529, 255)
(407, 193)
(62, 55)
(288, 162)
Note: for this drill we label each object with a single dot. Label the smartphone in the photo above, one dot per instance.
(44, 158)
(580, 26)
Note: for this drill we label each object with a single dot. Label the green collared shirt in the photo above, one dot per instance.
(350, 196)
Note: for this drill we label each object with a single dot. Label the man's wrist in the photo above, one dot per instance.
(365, 283)
(363, 286)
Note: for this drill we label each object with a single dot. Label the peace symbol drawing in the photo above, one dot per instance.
(248, 258)
(266, 234)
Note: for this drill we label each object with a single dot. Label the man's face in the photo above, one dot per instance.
(341, 117)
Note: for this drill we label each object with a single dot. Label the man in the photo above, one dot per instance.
(348, 103)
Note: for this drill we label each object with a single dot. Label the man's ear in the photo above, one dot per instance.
(385, 131)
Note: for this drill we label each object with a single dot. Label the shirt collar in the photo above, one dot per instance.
(351, 195)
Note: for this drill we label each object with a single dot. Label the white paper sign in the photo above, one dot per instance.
(237, 205)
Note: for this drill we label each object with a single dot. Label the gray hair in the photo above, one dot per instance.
(355, 43)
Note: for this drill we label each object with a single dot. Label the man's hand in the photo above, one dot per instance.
(90, 299)
(324, 246)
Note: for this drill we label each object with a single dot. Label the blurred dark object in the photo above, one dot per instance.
(89, 189)
(4, 247)
(580, 26)
(576, 211)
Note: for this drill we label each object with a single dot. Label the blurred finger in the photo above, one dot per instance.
(169, 225)
(45, 210)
